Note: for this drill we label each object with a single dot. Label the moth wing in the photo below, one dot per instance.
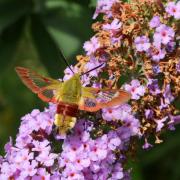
(88, 100)
(114, 97)
(94, 99)
(42, 86)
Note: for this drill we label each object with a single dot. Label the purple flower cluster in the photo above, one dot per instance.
(81, 158)
(123, 114)
(85, 158)
(32, 155)
(165, 99)
(161, 43)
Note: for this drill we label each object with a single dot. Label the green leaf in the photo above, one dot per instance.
(9, 42)
(57, 3)
(48, 51)
(70, 26)
(160, 151)
(136, 170)
(12, 10)
(93, 3)
(15, 105)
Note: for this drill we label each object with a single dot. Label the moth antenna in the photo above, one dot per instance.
(64, 58)
(92, 69)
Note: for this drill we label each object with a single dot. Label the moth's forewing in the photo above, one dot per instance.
(38, 84)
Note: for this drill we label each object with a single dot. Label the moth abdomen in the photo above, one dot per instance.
(67, 109)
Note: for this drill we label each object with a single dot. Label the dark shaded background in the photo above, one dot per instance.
(29, 32)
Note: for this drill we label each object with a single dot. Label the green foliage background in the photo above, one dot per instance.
(29, 32)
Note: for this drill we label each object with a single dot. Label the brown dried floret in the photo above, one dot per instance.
(97, 26)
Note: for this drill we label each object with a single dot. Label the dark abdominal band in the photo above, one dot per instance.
(67, 109)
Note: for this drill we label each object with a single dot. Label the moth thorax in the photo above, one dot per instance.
(67, 109)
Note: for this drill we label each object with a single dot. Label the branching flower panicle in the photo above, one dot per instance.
(138, 42)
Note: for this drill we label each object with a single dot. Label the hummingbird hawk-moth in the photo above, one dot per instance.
(70, 96)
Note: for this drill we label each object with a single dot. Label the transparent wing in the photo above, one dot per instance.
(95, 99)
(40, 85)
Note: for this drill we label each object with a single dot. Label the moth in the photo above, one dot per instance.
(70, 96)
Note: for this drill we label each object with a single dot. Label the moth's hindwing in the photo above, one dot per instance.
(95, 99)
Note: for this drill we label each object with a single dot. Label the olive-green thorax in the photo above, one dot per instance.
(71, 90)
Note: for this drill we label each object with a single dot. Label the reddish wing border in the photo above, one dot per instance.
(37, 83)
(118, 97)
